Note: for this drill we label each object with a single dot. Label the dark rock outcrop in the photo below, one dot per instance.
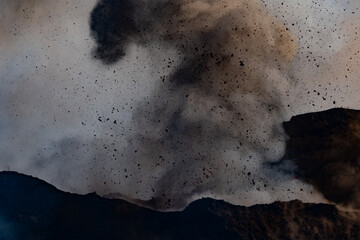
(326, 148)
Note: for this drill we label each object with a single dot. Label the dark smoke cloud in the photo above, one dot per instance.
(113, 25)
(169, 101)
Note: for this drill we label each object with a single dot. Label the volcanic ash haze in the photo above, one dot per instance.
(168, 101)
(201, 130)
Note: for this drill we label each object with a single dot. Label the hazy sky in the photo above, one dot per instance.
(187, 100)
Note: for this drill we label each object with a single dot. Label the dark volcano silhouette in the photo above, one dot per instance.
(33, 209)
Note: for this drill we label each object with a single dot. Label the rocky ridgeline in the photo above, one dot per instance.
(33, 209)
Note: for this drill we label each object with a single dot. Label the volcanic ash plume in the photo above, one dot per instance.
(161, 101)
(214, 122)
(201, 131)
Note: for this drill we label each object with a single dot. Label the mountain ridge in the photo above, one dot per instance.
(33, 209)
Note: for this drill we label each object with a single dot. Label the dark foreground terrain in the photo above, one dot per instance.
(33, 209)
